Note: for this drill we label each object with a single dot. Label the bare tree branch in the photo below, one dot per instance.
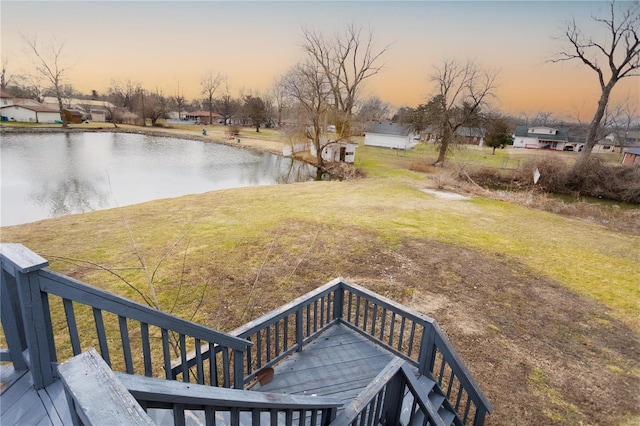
(621, 52)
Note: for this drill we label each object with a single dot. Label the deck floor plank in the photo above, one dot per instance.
(22, 404)
(338, 363)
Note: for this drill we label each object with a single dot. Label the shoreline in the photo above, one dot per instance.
(342, 171)
(247, 142)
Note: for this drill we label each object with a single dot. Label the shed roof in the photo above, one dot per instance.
(394, 129)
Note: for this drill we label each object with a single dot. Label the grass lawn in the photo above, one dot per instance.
(544, 309)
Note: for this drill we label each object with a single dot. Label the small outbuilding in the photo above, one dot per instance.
(337, 152)
(391, 135)
(631, 157)
(30, 112)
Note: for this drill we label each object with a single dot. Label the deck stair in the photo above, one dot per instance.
(412, 417)
(341, 353)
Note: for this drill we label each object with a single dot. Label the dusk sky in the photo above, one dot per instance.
(163, 44)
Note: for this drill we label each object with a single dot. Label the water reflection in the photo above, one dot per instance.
(57, 174)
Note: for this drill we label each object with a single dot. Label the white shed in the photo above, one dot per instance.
(337, 151)
(30, 113)
(391, 135)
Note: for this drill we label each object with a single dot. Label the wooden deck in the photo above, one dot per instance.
(22, 404)
(326, 347)
(339, 363)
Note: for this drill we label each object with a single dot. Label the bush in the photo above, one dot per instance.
(553, 174)
(595, 179)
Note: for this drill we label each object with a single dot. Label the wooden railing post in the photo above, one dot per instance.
(338, 302)
(427, 349)
(299, 329)
(24, 265)
(238, 369)
(12, 321)
(393, 400)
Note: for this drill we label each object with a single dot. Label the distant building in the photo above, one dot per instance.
(542, 137)
(337, 152)
(470, 135)
(631, 157)
(202, 117)
(391, 135)
(30, 112)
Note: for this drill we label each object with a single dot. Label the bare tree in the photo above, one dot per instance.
(372, 109)
(279, 98)
(538, 118)
(5, 78)
(179, 101)
(462, 90)
(622, 123)
(615, 57)
(210, 84)
(124, 94)
(347, 59)
(28, 87)
(227, 106)
(156, 106)
(307, 85)
(48, 64)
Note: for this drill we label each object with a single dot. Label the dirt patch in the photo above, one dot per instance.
(542, 354)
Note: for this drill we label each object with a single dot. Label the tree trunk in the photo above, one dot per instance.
(61, 108)
(316, 141)
(594, 126)
(447, 135)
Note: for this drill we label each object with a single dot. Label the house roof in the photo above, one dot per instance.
(32, 107)
(635, 151)
(393, 129)
(77, 102)
(561, 135)
(5, 94)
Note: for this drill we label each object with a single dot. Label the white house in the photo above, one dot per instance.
(391, 135)
(542, 137)
(30, 112)
(6, 99)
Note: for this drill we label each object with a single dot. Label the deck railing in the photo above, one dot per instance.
(39, 317)
(97, 395)
(382, 401)
(282, 331)
(419, 340)
(408, 334)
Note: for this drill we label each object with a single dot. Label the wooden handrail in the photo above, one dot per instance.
(96, 396)
(69, 288)
(374, 406)
(26, 314)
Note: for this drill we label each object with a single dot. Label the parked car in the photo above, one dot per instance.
(568, 148)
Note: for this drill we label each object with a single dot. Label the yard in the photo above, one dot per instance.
(543, 308)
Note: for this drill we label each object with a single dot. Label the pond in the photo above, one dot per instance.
(54, 174)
